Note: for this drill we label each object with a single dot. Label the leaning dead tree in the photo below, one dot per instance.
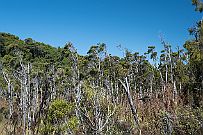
(126, 86)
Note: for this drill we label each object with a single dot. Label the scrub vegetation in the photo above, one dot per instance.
(56, 91)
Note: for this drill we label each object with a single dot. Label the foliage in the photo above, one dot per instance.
(48, 90)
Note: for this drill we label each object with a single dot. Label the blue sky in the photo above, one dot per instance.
(134, 24)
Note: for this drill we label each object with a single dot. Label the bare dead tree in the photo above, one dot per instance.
(126, 86)
(9, 93)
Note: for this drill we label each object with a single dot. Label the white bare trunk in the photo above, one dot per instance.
(132, 107)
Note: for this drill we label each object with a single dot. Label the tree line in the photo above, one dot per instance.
(47, 90)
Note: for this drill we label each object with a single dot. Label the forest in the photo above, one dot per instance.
(46, 90)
